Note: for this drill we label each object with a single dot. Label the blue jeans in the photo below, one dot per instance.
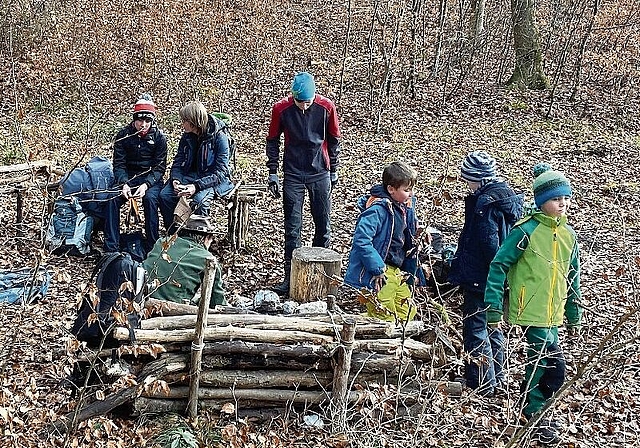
(484, 346)
(293, 192)
(200, 203)
(151, 218)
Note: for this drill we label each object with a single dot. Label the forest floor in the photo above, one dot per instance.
(409, 86)
(598, 409)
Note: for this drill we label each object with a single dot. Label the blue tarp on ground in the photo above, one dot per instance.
(24, 285)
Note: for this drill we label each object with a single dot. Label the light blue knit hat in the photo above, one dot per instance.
(303, 87)
(550, 184)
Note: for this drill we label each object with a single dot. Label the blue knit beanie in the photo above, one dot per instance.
(550, 184)
(478, 165)
(303, 87)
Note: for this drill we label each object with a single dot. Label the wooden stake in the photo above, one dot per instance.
(339, 398)
(198, 343)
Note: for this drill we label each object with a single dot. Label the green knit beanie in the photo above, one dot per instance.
(550, 184)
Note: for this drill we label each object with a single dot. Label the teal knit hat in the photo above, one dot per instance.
(550, 184)
(303, 87)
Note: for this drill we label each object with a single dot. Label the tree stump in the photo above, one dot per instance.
(312, 272)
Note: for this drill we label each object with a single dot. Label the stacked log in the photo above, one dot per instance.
(261, 362)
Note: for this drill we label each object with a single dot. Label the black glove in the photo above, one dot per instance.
(334, 179)
(274, 186)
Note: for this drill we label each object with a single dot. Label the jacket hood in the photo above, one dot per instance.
(377, 191)
(499, 195)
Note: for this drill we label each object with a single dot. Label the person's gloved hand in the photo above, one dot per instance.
(274, 185)
(378, 282)
(334, 179)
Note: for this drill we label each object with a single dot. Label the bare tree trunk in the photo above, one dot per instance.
(583, 46)
(416, 12)
(345, 50)
(528, 70)
(478, 8)
(442, 17)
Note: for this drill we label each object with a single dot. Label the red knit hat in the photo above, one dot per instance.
(144, 108)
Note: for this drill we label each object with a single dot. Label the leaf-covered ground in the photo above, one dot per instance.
(73, 72)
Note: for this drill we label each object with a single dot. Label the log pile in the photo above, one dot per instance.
(258, 361)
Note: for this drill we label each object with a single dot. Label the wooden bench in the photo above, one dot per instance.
(17, 178)
(240, 200)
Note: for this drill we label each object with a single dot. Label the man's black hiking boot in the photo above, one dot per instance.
(282, 289)
(545, 432)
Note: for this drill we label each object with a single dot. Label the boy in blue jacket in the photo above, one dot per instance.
(491, 210)
(383, 256)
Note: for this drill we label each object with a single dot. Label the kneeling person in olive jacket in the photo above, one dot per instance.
(176, 264)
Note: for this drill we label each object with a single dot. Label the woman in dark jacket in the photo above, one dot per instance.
(200, 170)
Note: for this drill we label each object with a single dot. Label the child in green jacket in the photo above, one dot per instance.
(540, 261)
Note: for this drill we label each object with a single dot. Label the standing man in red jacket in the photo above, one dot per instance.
(309, 122)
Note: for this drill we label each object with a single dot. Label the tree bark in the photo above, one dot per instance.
(157, 307)
(376, 363)
(528, 70)
(339, 399)
(153, 370)
(312, 272)
(264, 362)
(265, 349)
(198, 343)
(415, 349)
(253, 379)
(478, 8)
(264, 395)
(253, 409)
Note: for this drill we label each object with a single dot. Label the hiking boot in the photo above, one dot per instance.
(282, 289)
(485, 390)
(501, 390)
(545, 432)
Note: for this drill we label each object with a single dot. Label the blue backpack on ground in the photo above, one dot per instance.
(84, 193)
(23, 285)
(93, 182)
(70, 228)
(121, 291)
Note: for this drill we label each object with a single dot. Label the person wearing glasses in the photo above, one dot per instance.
(200, 170)
(309, 122)
(139, 163)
